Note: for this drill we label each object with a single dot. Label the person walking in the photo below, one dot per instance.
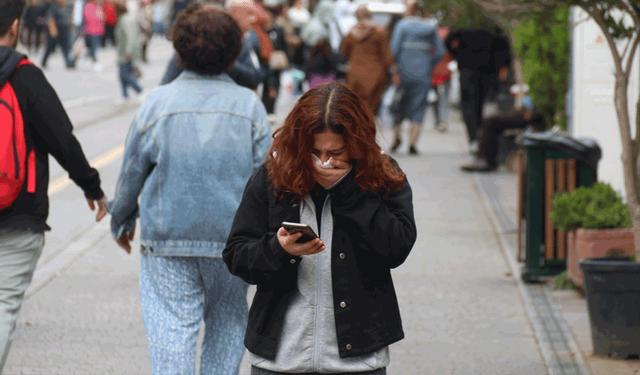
(59, 29)
(145, 21)
(417, 48)
(34, 24)
(39, 119)
(366, 48)
(110, 21)
(484, 58)
(441, 82)
(244, 71)
(128, 45)
(190, 151)
(324, 65)
(326, 305)
(94, 29)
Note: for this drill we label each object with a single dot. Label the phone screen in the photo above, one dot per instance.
(307, 233)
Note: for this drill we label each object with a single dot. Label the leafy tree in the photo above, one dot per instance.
(542, 44)
(619, 22)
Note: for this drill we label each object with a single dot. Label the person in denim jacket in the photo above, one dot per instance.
(190, 151)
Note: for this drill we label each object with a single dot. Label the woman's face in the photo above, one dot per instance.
(329, 145)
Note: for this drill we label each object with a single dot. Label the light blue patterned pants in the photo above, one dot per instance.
(177, 293)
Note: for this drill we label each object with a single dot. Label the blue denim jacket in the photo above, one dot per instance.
(190, 151)
(417, 48)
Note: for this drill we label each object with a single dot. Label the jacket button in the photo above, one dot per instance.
(349, 346)
(144, 247)
(151, 248)
(343, 304)
(293, 261)
(342, 256)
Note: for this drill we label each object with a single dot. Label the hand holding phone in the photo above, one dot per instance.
(294, 243)
(307, 233)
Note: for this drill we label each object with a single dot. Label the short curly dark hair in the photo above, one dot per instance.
(10, 10)
(207, 39)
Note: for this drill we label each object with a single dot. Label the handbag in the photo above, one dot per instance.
(278, 60)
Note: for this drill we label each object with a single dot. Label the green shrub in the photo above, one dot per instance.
(595, 207)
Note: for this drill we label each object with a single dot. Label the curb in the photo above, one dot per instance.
(560, 352)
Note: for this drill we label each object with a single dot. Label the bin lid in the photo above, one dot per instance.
(583, 149)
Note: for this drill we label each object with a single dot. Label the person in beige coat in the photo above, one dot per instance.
(366, 48)
(128, 45)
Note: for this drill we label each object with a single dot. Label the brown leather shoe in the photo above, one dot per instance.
(478, 165)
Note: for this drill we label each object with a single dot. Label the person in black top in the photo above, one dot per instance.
(34, 24)
(484, 60)
(47, 131)
(58, 23)
(486, 158)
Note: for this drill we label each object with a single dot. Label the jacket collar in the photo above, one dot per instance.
(191, 75)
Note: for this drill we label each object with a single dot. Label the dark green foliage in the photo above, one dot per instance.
(595, 207)
(542, 43)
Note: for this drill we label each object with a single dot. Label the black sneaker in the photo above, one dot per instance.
(478, 165)
(395, 145)
(412, 150)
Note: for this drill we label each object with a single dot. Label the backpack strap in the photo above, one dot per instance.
(31, 158)
(23, 62)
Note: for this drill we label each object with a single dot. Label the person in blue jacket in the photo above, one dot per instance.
(416, 47)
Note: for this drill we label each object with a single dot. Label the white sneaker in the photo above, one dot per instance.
(473, 147)
(97, 67)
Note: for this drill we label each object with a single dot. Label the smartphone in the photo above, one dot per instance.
(307, 233)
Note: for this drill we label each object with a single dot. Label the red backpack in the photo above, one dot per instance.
(15, 164)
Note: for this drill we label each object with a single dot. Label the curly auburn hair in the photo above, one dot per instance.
(333, 107)
(207, 39)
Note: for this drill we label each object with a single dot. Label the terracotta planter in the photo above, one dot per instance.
(596, 243)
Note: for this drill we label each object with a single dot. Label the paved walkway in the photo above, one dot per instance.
(461, 307)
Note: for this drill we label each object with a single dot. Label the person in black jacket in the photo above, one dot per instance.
(47, 131)
(486, 159)
(484, 60)
(326, 305)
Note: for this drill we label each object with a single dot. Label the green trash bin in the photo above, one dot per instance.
(544, 149)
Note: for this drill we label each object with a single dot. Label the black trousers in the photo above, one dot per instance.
(64, 40)
(274, 81)
(109, 34)
(474, 88)
(494, 126)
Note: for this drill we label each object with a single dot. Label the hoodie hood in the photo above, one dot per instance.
(9, 58)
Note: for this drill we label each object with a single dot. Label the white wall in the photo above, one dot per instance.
(592, 110)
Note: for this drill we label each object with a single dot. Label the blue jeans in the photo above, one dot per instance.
(128, 79)
(19, 254)
(177, 294)
(92, 42)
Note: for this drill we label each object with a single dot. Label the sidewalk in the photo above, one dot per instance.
(571, 304)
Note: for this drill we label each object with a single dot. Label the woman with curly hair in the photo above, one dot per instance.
(190, 151)
(326, 305)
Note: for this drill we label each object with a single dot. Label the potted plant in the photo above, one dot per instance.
(597, 223)
(601, 244)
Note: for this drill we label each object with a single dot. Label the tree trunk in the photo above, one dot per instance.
(629, 156)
